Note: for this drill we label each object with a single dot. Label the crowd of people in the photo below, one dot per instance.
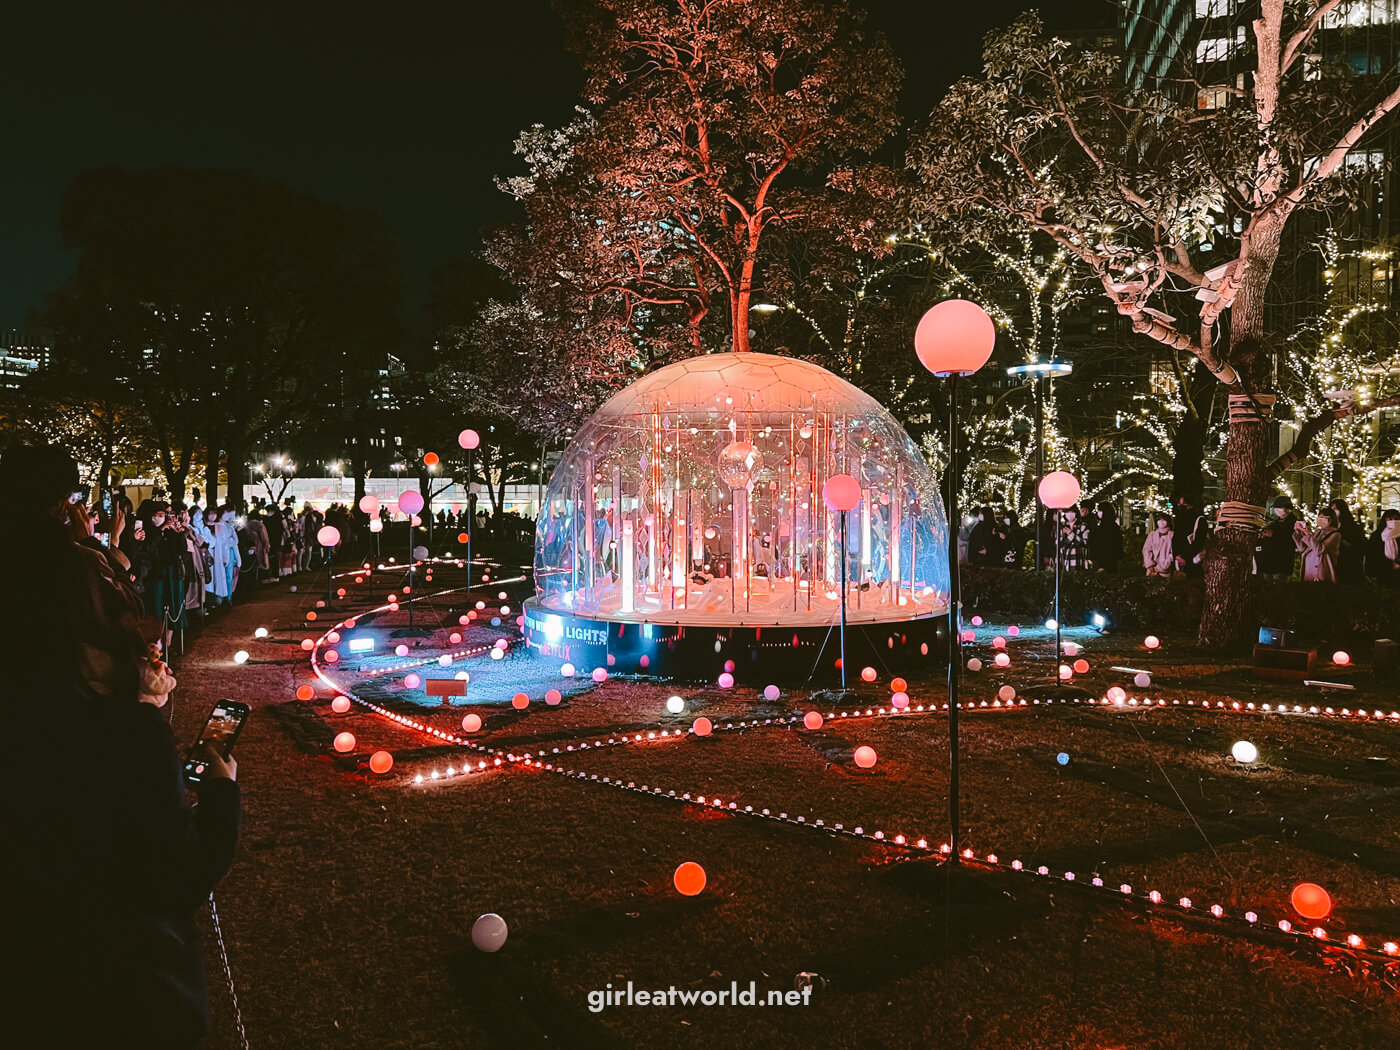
(1333, 548)
(106, 860)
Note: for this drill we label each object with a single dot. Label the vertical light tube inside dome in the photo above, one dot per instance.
(896, 500)
(590, 499)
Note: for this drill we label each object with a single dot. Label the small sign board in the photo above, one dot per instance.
(445, 687)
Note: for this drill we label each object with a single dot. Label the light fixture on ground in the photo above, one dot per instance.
(1040, 373)
(955, 338)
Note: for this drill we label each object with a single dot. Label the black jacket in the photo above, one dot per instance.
(105, 866)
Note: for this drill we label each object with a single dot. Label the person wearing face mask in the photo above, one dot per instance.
(1383, 553)
(1157, 557)
(1013, 541)
(1074, 541)
(1274, 550)
(982, 541)
(1190, 532)
(1105, 539)
(1319, 546)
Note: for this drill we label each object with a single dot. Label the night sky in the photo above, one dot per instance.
(404, 112)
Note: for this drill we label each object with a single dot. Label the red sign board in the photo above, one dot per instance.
(445, 687)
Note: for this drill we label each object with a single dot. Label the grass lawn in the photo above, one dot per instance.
(349, 907)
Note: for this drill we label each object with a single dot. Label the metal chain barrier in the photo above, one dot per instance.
(228, 974)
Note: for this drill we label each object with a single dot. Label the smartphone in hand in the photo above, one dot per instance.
(220, 731)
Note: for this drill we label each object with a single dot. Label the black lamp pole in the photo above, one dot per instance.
(954, 613)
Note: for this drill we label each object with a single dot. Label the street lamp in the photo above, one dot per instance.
(469, 439)
(953, 339)
(1038, 372)
(1058, 490)
(842, 492)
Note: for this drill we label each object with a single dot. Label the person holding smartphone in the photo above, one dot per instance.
(106, 861)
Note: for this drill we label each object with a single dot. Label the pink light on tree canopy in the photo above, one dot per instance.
(328, 536)
(410, 501)
(469, 439)
(1059, 489)
(841, 492)
(955, 337)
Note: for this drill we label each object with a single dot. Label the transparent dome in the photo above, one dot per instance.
(694, 497)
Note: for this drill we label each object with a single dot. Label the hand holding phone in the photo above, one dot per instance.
(211, 758)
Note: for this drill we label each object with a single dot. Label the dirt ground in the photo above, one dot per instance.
(349, 907)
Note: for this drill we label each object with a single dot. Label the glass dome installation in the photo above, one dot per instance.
(694, 497)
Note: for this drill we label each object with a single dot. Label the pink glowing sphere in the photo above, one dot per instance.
(1066, 671)
(977, 621)
(969, 635)
(472, 722)
(702, 726)
(400, 650)
(454, 638)
(410, 501)
(1002, 659)
(998, 642)
(1059, 489)
(900, 700)
(308, 644)
(463, 619)
(520, 701)
(501, 643)
(412, 681)
(1152, 641)
(867, 674)
(552, 697)
(469, 439)
(812, 720)
(611, 659)
(600, 674)
(1117, 694)
(305, 692)
(771, 692)
(1081, 667)
(729, 665)
(974, 665)
(644, 662)
(340, 705)
(381, 762)
(726, 681)
(331, 656)
(328, 536)
(369, 504)
(689, 878)
(1007, 693)
(1071, 649)
(865, 756)
(841, 492)
(345, 742)
(1341, 658)
(955, 337)
(1013, 630)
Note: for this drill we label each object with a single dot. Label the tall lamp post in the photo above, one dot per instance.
(1058, 490)
(954, 339)
(842, 493)
(328, 536)
(1040, 372)
(410, 503)
(469, 440)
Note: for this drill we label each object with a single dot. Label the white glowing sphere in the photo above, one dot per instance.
(375, 525)
(462, 676)
(1002, 660)
(489, 932)
(1341, 658)
(240, 657)
(1152, 641)
(400, 650)
(567, 671)
(771, 692)
(1244, 752)
(1007, 693)
(1071, 649)
(261, 632)
(444, 660)
(1050, 624)
(675, 705)
(1142, 679)
(497, 654)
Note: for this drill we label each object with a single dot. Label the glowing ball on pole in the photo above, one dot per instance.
(469, 439)
(410, 501)
(369, 503)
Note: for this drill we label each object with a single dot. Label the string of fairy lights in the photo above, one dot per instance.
(1379, 959)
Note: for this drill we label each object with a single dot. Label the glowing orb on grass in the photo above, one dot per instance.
(1152, 641)
(381, 762)
(1066, 672)
(1062, 758)
(369, 504)
(311, 615)
(689, 878)
(400, 650)
(240, 657)
(462, 676)
(600, 674)
(328, 536)
(410, 501)
(419, 554)
(974, 664)
(1002, 660)
(331, 656)
(1013, 630)
(867, 674)
(261, 632)
(702, 726)
(472, 722)
(771, 692)
(1244, 752)
(1341, 658)
(340, 704)
(308, 644)
(675, 705)
(977, 621)
(497, 654)
(1051, 625)
(455, 638)
(489, 932)
(812, 720)
(898, 685)
(1142, 679)
(567, 671)
(1081, 667)
(519, 701)
(726, 681)
(865, 756)
(1117, 694)
(1311, 901)
(1007, 693)
(469, 439)
(552, 697)
(998, 642)
(1071, 649)
(900, 700)
(305, 692)
(345, 742)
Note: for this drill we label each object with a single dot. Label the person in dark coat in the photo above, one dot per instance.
(1383, 552)
(105, 861)
(1013, 540)
(1105, 539)
(982, 545)
(1351, 560)
(1274, 550)
(1189, 534)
